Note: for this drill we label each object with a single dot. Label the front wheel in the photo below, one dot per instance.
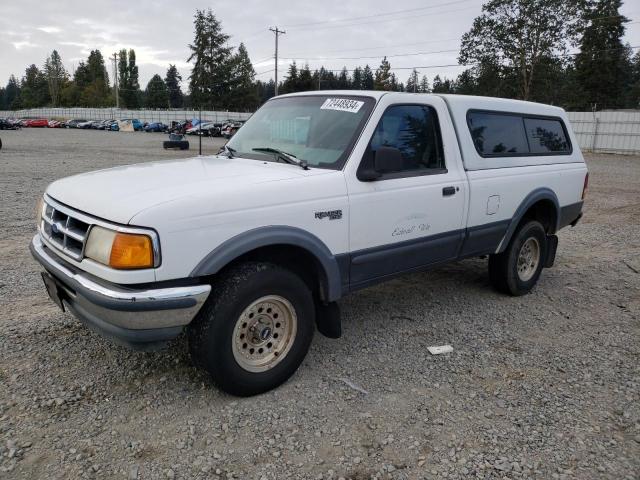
(516, 270)
(255, 329)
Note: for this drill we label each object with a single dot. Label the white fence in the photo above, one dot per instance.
(164, 116)
(607, 132)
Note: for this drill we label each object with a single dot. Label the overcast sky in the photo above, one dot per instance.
(426, 33)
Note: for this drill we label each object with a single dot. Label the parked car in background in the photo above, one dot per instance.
(230, 129)
(106, 125)
(37, 123)
(180, 127)
(211, 130)
(195, 129)
(74, 122)
(155, 127)
(85, 125)
(13, 124)
(114, 127)
(55, 124)
(8, 124)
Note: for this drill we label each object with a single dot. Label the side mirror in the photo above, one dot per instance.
(388, 159)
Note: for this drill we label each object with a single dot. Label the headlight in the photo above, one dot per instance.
(120, 250)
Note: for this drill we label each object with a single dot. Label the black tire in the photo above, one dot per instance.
(212, 332)
(503, 267)
(181, 144)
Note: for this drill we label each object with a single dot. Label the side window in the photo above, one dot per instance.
(546, 136)
(497, 134)
(414, 130)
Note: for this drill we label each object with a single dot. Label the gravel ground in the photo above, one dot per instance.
(542, 386)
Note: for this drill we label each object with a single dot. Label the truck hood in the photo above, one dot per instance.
(118, 194)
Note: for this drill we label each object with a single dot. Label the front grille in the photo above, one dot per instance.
(63, 230)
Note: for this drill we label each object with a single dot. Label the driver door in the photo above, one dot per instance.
(412, 217)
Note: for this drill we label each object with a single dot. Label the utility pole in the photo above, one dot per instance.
(277, 33)
(115, 79)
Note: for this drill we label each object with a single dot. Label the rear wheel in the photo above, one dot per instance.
(255, 329)
(516, 270)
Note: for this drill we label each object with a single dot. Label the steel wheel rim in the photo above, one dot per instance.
(264, 333)
(528, 259)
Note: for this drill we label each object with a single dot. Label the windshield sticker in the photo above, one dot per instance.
(342, 105)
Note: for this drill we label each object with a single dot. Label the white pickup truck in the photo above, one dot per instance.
(317, 195)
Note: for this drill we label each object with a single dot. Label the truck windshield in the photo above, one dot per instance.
(318, 129)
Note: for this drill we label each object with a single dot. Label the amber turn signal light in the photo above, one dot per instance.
(131, 251)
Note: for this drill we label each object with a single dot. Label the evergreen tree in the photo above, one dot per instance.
(56, 77)
(322, 79)
(128, 82)
(305, 80)
(211, 74)
(424, 85)
(156, 94)
(290, 83)
(603, 67)
(383, 76)
(172, 81)
(81, 75)
(34, 91)
(367, 78)
(394, 86)
(243, 95)
(96, 68)
(633, 99)
(92, 83)
(357, 79)
(12, 93)
(343, 80)
(443, 86)
(266, 90)
(413, 82)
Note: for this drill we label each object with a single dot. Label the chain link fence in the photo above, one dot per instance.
(164, 116)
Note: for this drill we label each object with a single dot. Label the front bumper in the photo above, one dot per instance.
(140, 318)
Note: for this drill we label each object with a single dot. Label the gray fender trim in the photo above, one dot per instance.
(533, 197)
(274, 235)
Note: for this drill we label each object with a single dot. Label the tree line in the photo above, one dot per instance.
(517, 49)
(89, 85)
(563, 52)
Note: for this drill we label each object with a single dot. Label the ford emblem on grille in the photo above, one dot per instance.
(54, 228)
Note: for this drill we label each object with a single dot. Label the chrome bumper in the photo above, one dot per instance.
(135, 317)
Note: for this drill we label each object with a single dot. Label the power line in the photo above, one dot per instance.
(412, 17)
(298, 25)
(376, 56)
(379, 46)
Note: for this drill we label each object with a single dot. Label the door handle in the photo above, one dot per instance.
(447, 191)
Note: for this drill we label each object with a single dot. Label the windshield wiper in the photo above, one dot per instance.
(230, 151)
(287, 157)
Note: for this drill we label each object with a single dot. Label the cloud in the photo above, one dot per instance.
(24, 44)
(50, 29)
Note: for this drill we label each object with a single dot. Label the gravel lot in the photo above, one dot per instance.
(542, 386)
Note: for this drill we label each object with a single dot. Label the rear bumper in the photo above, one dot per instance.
(139, 318)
